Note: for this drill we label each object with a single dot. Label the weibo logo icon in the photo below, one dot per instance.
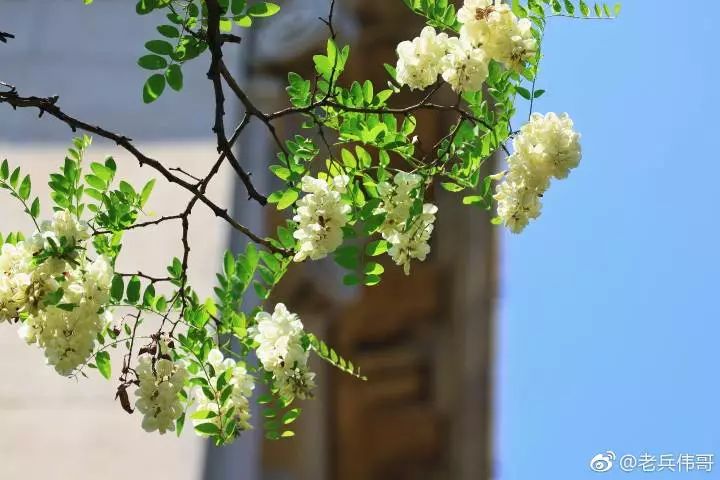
(602, 462)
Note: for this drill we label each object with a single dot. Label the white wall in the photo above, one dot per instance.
(51, 427)
(87, 55)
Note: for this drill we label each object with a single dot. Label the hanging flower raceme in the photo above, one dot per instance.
(229, 403)
(15, 279)
(59, 296)
(321, 214)
(546, 147)
(281, 351)
(413, 242)
(160, 381)
(408, 237)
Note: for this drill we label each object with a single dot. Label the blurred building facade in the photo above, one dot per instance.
(425, 341)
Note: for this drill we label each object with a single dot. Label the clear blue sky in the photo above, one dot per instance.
(609, 322)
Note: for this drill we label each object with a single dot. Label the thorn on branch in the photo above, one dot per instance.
(230, 38)
(187, 174)
(4, 36)
(11, 88)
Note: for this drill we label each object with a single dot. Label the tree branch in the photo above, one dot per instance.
(49, 106)
(215, 75)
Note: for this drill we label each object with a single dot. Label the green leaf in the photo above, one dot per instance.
(374, 268)
(102, 360)
(4, 170)
(263, 9)
(351, 279)
(117, 288)
(331, 356)
(161, 304)
(146, 191)
(452, 187)
(237, 6)
(145, 6)
(283, 173)
(110, 163)
(225, 25)
(288, 198)
(524, 92)
(161, 47)
(35, 208)
(51, 298)
(229, 263)
(348, 158)
(133, 290)
(286, 237)
(208, 428)
(347, 256)
(24, 190)
(126, 188)
(390, 70)
(584, 8)
(68, 307)
(180, 424)
(14, 176)
(375, 248)
(174, 77)
(244, 21)
(290, 416)
(149, 296)
(363, 157)
(168, 31)
(95, 194)
(152, 62)
(102, 171)
(96, 182)
(153, 88)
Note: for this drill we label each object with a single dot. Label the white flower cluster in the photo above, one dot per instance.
(160, 384)
(407, 242)
(465, 67)
(242, 384)
(546, 147)
(280, 351)
(490, 31)
(67, 327)
(492, 25)
(419, 60)
(321, 214)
